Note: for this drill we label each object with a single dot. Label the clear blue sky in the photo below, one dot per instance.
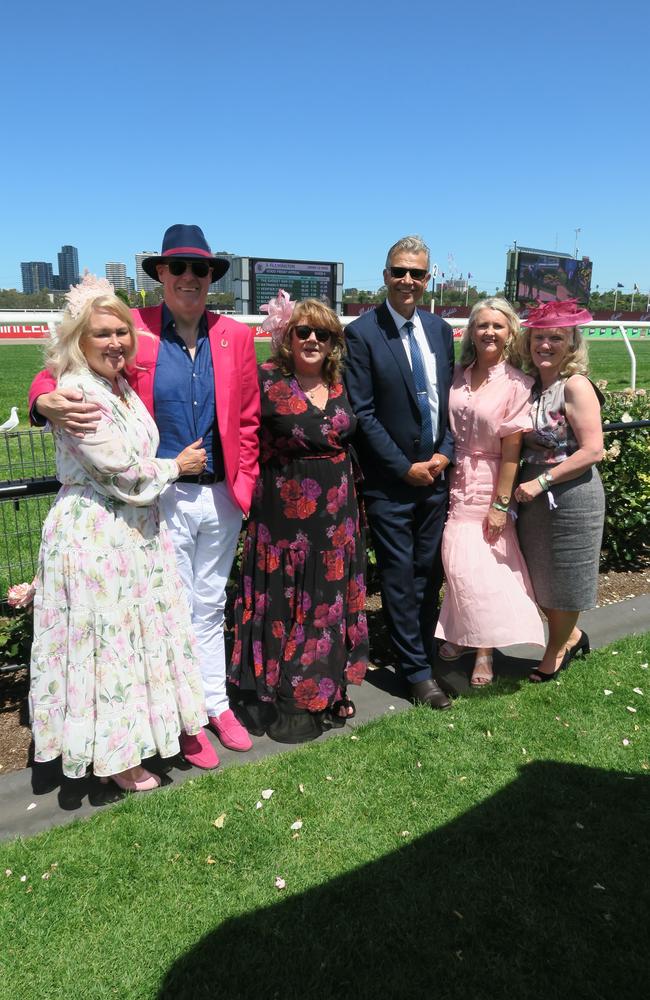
(328, 130)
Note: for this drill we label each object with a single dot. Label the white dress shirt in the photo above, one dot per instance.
(428, 357)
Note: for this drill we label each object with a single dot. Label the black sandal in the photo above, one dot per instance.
(334, 716)
(541, 678)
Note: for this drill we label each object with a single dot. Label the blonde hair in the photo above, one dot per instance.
(63, 352)
(467, 348)
(311, 312)
(576, 361)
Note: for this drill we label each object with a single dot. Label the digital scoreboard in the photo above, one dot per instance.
(259, 279)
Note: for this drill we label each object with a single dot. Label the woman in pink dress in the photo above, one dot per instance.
(488, 596)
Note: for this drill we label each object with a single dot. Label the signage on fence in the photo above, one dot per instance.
(30, 331)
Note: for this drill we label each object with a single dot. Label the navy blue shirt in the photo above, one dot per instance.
(183, 395)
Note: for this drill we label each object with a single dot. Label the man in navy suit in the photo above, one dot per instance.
(399, 371)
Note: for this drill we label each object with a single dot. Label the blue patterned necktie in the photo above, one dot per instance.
(419, 377)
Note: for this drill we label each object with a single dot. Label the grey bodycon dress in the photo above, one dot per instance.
(561, 543)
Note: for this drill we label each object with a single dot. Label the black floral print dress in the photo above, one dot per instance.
(300, 627)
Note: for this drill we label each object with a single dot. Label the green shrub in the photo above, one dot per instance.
(15, 638)
(625, 472)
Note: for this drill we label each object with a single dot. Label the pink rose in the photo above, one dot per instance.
(20, 595)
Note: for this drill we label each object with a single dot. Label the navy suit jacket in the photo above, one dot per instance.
(380, 385)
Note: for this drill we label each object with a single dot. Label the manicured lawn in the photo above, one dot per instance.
(497, 850)
(20, 362)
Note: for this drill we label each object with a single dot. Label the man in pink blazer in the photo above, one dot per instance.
(196, 373)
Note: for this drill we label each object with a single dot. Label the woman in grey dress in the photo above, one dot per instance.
(562, 504)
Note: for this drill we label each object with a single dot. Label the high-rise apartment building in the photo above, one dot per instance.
(225, 284)
(116, 274)
(68, 266)
(36, 274)
(142, 279)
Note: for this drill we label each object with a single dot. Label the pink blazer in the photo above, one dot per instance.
(235, 386)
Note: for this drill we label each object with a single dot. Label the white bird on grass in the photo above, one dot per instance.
(12, 422)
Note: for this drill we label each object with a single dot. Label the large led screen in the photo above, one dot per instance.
(545, 278)
(303, 279)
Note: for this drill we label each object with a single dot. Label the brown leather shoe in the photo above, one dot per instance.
(429, 693)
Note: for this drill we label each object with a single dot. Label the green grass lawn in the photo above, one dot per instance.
(20, 362)
(497, 850)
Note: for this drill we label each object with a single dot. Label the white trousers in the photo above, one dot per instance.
(204, 525)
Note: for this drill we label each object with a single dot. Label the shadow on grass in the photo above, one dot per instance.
(47, 777)
(541, 891)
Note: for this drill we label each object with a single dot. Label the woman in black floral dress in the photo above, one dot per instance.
(300, 627)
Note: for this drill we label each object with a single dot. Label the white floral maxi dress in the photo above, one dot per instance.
(114, 671)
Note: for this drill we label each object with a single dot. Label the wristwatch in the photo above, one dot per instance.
(505, 500)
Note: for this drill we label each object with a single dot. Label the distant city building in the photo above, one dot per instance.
(453, 284)
(130, 285)
(36, 275)
(142, 280)
(68, 266)
(225, 284)
(116, 274)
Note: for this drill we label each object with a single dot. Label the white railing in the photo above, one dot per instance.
(21, 317)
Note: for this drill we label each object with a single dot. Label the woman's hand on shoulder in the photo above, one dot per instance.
(66, 408)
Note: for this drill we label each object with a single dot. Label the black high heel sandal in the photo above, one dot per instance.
(581, 647)
(538, 677)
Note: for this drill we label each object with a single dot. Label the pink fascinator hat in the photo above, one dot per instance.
(280, 310)
(90, 287)
(550, 315)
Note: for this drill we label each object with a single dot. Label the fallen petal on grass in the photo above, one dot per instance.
(8, 872)
(607, 691)
(297, 825)
(626, 743)
(637, 690)
(630, 708)
(267, 793)
(279, 883)
(210, 860)
(599, 886)
(258, 805)
(219, 821)
(301, 789)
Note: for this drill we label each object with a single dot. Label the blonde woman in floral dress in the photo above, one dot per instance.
(114, 674)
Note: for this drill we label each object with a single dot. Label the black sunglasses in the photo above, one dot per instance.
(417, 273)
(200, 268)
(322, 335)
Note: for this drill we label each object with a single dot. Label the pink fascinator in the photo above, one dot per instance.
(551, 315)
(90, 287)
(280, 310)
